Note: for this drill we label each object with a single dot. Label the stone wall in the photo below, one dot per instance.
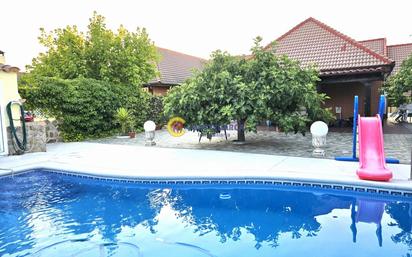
(52, 132)
(36, 137)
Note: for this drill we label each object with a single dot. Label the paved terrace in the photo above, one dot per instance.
(397, 145)
(162, 163)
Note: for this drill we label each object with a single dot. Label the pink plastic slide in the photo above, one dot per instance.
(371, 153)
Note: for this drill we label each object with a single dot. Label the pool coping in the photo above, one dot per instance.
(96, 160)
(226, 181)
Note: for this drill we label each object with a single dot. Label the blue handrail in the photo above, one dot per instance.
(355, 124)
(354, 130)
(381, 106)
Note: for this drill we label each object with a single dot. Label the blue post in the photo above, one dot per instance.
(381, 106)
(354, 135)
(355, 125)
(354, 131)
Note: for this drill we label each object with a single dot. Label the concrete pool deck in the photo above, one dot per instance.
(167, 163)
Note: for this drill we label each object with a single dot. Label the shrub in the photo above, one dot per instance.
(123, 119)
(248, 90)
(155, 112)
(399, 86)
(85, 108)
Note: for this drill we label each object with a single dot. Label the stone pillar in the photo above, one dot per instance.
(36, 137)
(52, 131)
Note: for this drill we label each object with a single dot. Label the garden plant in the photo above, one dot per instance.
(248, 90)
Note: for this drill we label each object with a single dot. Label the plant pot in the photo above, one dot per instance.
(132, 134)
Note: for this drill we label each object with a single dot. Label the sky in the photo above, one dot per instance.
(198, 27)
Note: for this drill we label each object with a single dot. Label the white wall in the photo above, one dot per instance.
(3, 135)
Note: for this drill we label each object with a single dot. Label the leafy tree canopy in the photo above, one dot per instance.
(249, 90)
(399, 86)
(101, 54)
(83, 78)
(86, 108)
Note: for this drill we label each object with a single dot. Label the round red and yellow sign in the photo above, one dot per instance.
(175, 126)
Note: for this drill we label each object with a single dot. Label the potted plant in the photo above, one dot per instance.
(132, 132)
(122, 117)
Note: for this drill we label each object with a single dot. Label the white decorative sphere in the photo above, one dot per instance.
(149, 126)
(319, 128)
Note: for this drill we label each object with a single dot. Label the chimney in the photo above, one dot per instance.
(2, 58)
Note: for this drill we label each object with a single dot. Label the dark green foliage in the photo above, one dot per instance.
(83, 78)
(250, 90)
(119, 57)
(155, 110)
(85, 108)
(399, 86)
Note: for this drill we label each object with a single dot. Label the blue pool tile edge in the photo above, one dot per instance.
(381, 189)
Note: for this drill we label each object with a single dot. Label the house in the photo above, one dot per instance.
(174, 68)
(397, 53)
(347, 67)
(8, 92)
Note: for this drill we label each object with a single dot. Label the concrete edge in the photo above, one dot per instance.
(344, 182)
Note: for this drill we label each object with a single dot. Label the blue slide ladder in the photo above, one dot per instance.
(354, 158)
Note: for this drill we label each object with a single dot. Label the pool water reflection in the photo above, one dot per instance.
(48, 214)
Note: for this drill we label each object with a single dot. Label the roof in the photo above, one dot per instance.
(8, 68)
(313, 42)
(399, 53)
(174, 67)
(378, 45)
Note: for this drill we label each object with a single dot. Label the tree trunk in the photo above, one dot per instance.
(241, 130)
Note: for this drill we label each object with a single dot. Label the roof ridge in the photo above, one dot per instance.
(404, 44)
(338, 34)
(294, 28)
(385, 52)
(373, 39)
(352, 41)
(181, 53)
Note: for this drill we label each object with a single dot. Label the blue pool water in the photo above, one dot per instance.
(49, 214)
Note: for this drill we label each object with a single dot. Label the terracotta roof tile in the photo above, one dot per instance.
(8, 68)
(378, 45)
(399, 53)
(175, 67)
(313, 42)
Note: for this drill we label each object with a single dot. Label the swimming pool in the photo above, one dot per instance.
(50, 214)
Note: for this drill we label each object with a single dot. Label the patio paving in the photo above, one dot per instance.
(160, 164)
(272, 143)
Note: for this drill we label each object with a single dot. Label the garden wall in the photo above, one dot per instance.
(36, 137)
(52, 132)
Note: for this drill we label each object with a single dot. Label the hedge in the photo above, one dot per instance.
(155, 112)
(85, 108)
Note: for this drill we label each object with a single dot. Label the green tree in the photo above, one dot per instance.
(249, 90)
(204, 100)
(101, 54)
(399, 86)
(87, 108)
(71, 80)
